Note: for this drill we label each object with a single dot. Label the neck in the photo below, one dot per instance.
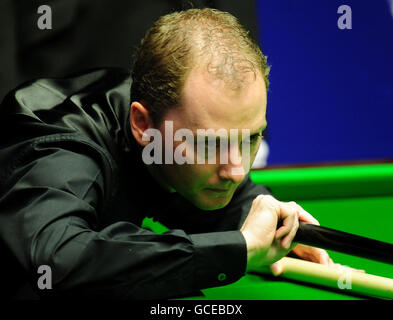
(155, 173)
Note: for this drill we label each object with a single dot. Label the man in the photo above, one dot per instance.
(75, 187)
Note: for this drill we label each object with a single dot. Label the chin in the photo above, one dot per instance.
(212, 204)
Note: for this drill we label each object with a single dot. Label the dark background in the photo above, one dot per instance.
(331, 95)
(85, 33)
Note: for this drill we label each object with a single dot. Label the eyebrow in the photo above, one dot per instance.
(259, 131)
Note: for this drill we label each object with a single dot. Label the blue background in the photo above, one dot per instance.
(331, 93)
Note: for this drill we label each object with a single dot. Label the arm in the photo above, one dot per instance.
(51, 206)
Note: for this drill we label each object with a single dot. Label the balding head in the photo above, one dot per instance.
(180, 41)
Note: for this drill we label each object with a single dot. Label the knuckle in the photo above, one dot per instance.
(257, 199)
(269, 198)
(261, 196)
(324, 256)
(294, 212)
(269, 201)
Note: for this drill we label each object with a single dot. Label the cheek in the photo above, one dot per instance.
(199, 173)
(195, 177)
(254, 152)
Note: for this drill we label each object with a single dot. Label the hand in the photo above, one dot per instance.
(265, 243)
(308, 253)
(302, 251)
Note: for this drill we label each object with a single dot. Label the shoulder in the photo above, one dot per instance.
(94, 103)
(44, 93)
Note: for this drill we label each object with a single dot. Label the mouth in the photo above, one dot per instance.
(217, 190)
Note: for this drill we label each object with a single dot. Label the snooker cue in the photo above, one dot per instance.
(330, 239)
(351, 281)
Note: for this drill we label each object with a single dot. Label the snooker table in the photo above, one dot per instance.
(355, 198)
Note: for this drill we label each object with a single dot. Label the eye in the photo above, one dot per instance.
(208, 149)
(253, 139)
(205, 144)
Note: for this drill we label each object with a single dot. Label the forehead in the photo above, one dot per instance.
(208, 102)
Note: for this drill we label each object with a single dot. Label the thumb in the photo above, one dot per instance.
(276, 268)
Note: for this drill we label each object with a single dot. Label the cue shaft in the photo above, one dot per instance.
(344, 242)
(343, 278)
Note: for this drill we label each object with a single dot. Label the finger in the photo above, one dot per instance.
(360, 270)
(339, 266)
(276, 268)
(287, 240)
(293, 245)
(290, 215)
(307, 217)
(285, 228)
(324, 257)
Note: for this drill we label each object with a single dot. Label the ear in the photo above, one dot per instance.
(140, 121)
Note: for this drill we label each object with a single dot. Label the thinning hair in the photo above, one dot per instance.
(180, 41)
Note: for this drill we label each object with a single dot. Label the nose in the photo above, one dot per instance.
(233, 170)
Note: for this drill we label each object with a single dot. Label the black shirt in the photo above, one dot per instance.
(74, 192)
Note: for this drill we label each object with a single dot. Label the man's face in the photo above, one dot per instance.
(207, 103)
